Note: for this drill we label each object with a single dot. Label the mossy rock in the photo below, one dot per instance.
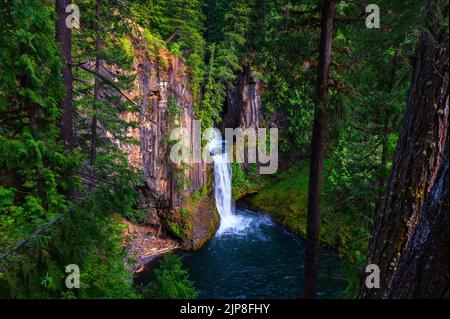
(285, 199)
(194, 223)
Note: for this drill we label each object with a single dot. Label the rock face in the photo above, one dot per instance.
(162, 81)
(162, 89)
(243, 107)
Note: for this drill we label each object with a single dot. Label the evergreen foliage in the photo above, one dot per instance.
(220, 40)
(171, 281)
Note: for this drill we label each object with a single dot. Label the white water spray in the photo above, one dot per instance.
(222, 187)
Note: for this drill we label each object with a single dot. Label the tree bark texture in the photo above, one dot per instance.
(412, 213)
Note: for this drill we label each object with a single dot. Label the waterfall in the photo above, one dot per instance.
(222, 186)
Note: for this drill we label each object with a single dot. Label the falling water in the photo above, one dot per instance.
(222, 187)
(250, 256)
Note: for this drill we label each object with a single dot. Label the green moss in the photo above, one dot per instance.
(127, 47)
(197, 220)
(245, 183)
(175, 49)
(153, 42)
(285, 199)
(213, 226)
(198, 195)
(175, 229)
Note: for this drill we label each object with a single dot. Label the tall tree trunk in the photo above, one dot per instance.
(317, 149)
(98, 45)
(417, 169)
(63, 36)
(423, 268)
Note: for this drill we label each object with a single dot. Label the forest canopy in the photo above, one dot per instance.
(80, 106)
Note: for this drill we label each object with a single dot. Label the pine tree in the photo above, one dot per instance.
(102, 74)
(33, 163)
(317, 150)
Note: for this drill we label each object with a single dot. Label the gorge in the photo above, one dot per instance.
(347, 166)
(223, 264)
(250, 256)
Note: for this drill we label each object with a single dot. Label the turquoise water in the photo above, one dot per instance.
(259, 259)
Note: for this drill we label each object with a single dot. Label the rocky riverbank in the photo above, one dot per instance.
(189, 227)
(144, 243)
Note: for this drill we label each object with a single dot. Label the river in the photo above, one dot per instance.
(259, 259)
(252, 257)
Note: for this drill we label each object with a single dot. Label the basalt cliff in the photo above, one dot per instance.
(178, 197)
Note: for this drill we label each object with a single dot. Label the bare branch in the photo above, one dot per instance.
(172, 36)
(112, 84)
(36, 233)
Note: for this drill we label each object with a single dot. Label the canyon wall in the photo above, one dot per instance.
(179, 197)
(161, 81)
(243, 106)
(165, 103)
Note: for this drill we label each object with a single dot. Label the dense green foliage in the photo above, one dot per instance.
(88, 236)
(367, 95)
(220, 40)
(33, 163)
(171, 281)
(245, 182)
(37, 168)
(179, 25)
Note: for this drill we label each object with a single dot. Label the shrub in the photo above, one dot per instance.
(171, 281)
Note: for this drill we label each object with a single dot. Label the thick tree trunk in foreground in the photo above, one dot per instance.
(407, 243)
(63, 36)
(423, 268)
(317, 148)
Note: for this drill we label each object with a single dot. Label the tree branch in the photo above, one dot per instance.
(112, 84)
(356, 3)
(172, 36)
(35, 234)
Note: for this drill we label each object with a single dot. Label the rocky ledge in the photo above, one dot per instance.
(144, 243)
